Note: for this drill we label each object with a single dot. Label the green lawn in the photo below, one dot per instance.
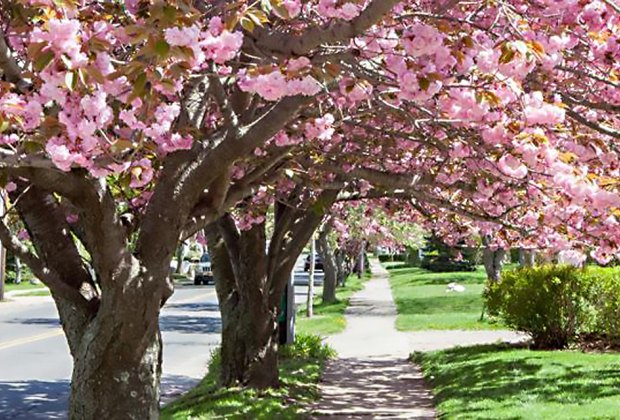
(500, 382)
(24, 285)
(423, 302)
(329, 317)
(300, 369)
(36, 293)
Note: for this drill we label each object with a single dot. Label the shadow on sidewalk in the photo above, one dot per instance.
(366, 388)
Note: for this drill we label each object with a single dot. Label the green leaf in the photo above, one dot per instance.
(507, 54)
(139, 86)
(43, 60)
(162, 49)
(424, 83)
(4, 125)
(247, 24)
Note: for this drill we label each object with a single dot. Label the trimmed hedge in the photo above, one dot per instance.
(445, 264)
(392, 258)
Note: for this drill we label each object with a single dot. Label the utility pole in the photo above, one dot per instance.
(309, 300)
(2, 251)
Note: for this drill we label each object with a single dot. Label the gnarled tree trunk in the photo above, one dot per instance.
(117, 380)
(250, 282)
(249, 334)
(110, 319)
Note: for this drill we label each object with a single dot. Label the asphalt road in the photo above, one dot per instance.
(35, 365)
(300, 280)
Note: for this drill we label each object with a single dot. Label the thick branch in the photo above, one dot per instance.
(594, 126)
(11, 70)
(47, 276)
(288, 44)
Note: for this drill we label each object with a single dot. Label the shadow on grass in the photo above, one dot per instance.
(300, 367)
(481, 378)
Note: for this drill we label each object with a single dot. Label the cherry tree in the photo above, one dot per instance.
(126, 126)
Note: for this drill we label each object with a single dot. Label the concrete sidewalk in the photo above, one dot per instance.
(373, 378)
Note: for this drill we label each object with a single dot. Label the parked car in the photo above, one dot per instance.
(318, 263)
(204, 272)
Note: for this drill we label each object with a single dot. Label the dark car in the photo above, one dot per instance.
(318, 263)
(204, 272)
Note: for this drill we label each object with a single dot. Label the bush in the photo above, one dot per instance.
(605, 298)
(445, 264)
(307, 347)
(392, 258)
(550, 302)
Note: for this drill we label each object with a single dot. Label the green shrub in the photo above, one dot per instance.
(392, 258)
(550, 302)
(605, 298)
(446, 264)
(307, 347)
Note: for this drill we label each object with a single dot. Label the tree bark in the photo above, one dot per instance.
(179, 257)
(329, 265)
(110, 319)
(249, 324)
(250, 282)
(342, 267)
(113, 380)
(493, 262)
(249, 344)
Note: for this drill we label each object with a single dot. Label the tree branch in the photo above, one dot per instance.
(594, 126)
(310, 39)
(12, 71)
(49, 277)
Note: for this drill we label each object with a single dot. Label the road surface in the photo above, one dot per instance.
(300, 279)
(35, 365)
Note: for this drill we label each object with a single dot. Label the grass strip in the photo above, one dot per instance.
(507, 382)
(300, 367)
(328, 318)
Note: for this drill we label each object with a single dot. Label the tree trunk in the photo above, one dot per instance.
(179, 258)
(342, 267)
(249, 323)
(112, 380)
(527, 257)
(361, 261)
(329, 266)
(249, 344)
(250, 282)
(530, 258)
(493, 262)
